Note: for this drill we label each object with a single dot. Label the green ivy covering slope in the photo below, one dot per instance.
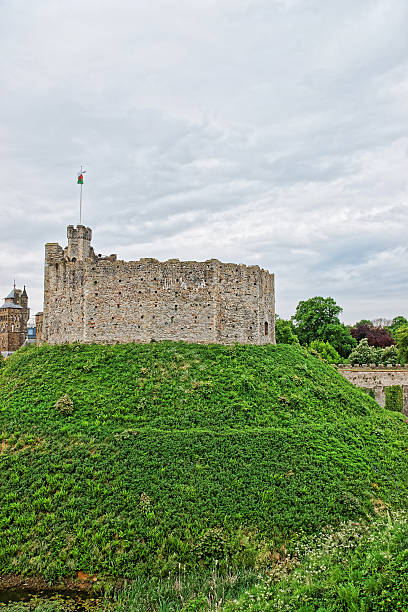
(129, 459)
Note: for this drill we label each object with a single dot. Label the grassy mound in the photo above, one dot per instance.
(130, 459)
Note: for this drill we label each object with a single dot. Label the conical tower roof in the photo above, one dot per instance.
(9, 300)
(11, 295)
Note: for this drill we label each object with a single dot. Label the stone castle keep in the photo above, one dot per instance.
(89, 298)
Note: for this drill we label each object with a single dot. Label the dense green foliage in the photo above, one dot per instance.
(364, 322)
(317, 319)
(285, 332)
(340, 338)
(394, 398)
(325, 351)
(397, 322)
(312, 316)
(388, 356)
(401, 336)
(129, 460)
(359, 568)
(366, 354)
(363, 353)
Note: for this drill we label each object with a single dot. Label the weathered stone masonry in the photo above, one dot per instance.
(377, 378)
(90, 298)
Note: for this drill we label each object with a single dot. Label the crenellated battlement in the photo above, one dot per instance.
(80, 232)
(79, 243)
(367, 367)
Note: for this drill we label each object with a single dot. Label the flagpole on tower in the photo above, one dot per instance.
(80, 202)
(80, 182)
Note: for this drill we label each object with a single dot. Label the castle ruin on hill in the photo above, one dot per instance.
(93, 299)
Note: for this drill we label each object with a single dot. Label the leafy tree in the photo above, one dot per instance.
(285, 332)
(313, 316)
(360, 331)
(389, 355)
(364, 353)
(317, 319)
(381, 337)
(325, 351)
(376, 336)
(401, 335)
(340, 338)
(396, 323)
(363, 322)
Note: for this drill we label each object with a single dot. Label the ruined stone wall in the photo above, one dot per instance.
(370, 377)
(377, 378)
(104, 300)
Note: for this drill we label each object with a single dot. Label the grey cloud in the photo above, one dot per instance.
(261, 131)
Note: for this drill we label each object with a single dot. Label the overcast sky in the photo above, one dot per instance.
(269, 132)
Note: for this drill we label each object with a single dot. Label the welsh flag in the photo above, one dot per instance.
(80, 179)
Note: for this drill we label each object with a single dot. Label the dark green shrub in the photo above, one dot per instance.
(394, 398)
(211, 546)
